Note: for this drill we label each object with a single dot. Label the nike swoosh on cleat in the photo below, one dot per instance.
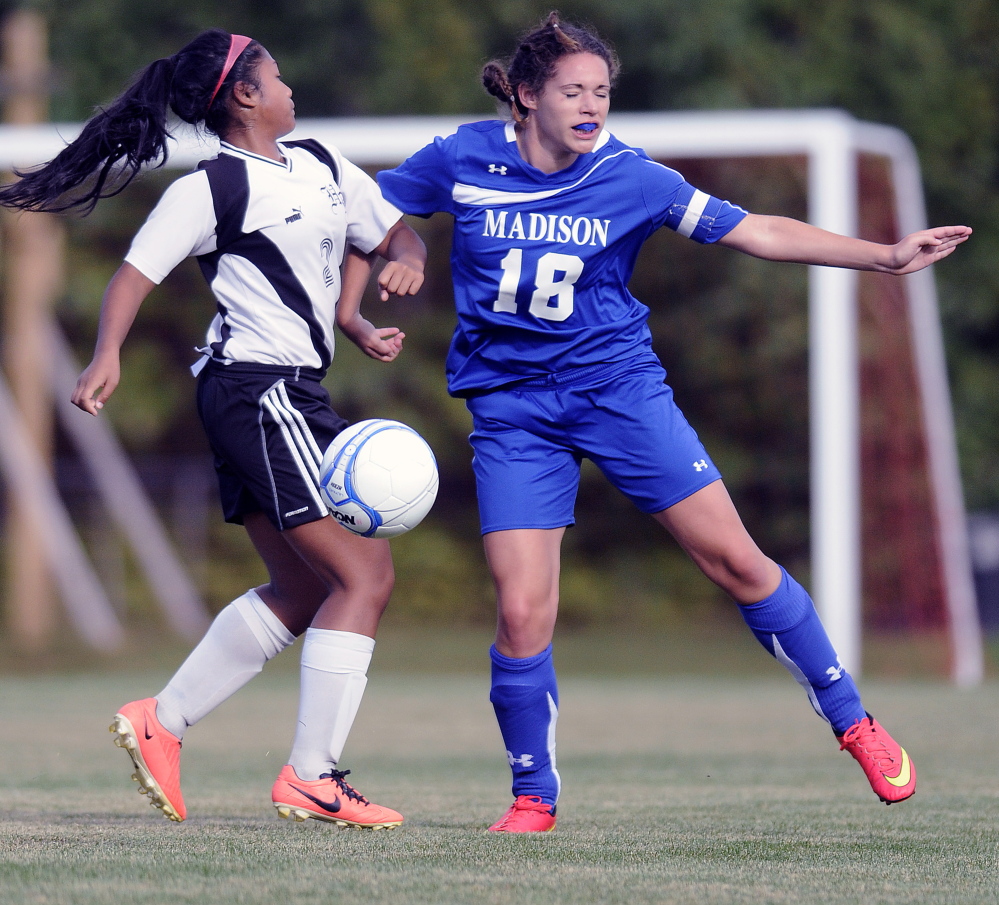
(903, 775)
(146, 728)
(332, 807)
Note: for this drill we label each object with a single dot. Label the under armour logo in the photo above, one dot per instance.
(835, 672)
(525, 760)
(494, 168)
(700, 465)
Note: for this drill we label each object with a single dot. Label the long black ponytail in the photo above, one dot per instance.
(131, 132)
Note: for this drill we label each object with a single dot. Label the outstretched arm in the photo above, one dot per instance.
(123, 297)
(784, 239)
(402, 275)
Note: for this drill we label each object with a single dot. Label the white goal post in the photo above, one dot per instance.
(831, 141)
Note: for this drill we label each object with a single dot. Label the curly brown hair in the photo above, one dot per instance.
(536, 57)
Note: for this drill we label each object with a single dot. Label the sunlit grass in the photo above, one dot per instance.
(675, 790)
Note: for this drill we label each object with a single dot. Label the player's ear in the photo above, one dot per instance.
(527, 96)
(246, 94)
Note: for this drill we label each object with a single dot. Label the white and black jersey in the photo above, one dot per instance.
(270, 239)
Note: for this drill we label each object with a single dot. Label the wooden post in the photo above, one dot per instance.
(33, 278)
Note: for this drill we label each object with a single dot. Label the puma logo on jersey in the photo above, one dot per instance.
(496, 168)
(296, 214)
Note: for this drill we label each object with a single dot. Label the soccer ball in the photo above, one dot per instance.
(379, 478)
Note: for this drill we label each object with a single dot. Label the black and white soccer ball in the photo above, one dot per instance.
(379, 478)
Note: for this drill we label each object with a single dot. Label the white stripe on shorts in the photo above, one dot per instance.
(306, 441)
(301, 444)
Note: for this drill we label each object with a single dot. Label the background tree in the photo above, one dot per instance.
(731, 332)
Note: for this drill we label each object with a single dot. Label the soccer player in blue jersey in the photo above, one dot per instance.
(269, 222)
(553, 356)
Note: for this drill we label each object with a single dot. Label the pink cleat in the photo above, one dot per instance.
(528, 814)
(155, 754)
(328, 798)
(890, 771)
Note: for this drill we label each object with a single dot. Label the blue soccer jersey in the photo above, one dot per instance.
(541, 262)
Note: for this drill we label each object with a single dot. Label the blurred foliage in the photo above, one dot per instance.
(730, 330)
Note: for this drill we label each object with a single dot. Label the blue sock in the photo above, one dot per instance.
(786, 624)
(524, 695)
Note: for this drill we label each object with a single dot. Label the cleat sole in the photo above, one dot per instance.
(300, 815)
(125, 738)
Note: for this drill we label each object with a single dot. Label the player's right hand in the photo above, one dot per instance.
(399, 278)
(96, 384)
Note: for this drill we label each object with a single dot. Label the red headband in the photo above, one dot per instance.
(237, 44)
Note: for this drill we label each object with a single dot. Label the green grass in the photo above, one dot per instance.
(676, 790)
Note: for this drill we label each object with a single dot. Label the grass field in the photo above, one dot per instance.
(676, 790)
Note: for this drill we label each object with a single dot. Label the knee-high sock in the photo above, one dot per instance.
(524, 695)
(334, 673)
(243, 637)
(786, 624)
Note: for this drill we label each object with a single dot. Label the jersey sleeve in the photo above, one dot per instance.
(423, 184)
(369, 215)
(182, 224)
(674, 203)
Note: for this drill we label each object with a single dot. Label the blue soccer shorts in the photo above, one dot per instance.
(268, 427)
(529, 439)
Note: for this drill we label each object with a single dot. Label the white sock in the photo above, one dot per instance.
(243, 637)
(334, 673)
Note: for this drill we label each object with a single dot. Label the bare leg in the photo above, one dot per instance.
(776, 608)
(709, 529)
(525, 570)
(356, 572)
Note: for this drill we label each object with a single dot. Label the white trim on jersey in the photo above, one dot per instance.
(476, 196)
(510, 131)
(242, 152)
(695, 207)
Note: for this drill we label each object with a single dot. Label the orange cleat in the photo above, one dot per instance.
(328, 798)
(528, 814)
(890, 771)
(155, 753)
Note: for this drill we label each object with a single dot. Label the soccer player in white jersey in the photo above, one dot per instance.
(269, 222)
(554, 358)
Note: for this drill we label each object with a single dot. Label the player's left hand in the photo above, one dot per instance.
(383, 343)
(380, 343)
(399, 278)
(920, 249)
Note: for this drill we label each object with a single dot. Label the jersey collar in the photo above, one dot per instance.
(249, 155)
(510, 133)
